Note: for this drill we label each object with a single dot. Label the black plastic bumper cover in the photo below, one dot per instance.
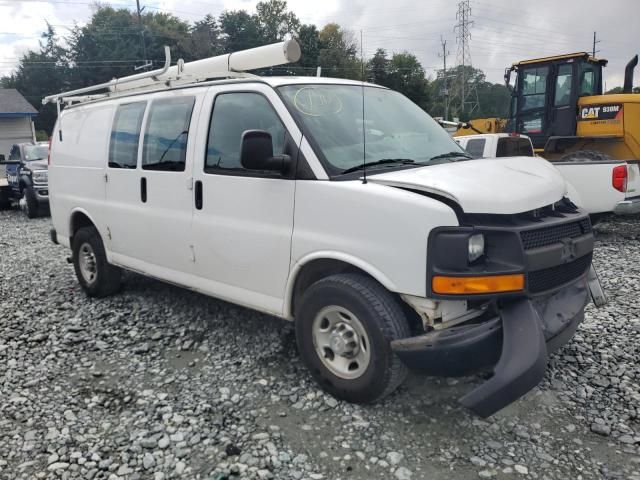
(522, 363)
(519, 341)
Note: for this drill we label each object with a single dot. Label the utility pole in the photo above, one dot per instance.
(463, 57)
(146, 63)
(594, 45)
(445, 78)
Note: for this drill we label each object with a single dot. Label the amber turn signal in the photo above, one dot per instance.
(477, 285)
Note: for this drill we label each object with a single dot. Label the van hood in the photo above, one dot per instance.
(492, 185)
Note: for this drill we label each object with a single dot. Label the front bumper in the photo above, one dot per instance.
(628, 207)
(41, 192)
(516, 343)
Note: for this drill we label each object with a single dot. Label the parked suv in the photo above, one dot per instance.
(371, 231)
(27, 177)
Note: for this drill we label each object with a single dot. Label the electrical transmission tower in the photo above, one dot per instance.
(468, 93)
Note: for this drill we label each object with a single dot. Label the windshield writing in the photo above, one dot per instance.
(393, 128)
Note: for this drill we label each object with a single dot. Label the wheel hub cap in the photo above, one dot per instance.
(341, 342)
(87, 263)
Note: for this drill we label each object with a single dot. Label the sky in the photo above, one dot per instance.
(502, 31)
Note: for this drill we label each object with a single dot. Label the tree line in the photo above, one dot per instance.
(115, 41)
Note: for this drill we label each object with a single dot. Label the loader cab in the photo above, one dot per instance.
(545, 92)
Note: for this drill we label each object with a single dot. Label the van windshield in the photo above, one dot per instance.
(394, 131)
(36, 152)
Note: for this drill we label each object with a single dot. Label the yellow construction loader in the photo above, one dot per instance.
(558, 102)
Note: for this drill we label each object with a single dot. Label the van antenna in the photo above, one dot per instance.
(364, 131)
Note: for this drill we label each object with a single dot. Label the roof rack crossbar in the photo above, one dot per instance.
(114, 82)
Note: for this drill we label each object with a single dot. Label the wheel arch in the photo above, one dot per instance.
(316, 266)
(80, 218)
(24, 182)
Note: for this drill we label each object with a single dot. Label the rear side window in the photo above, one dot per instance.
(514, 147)
(125, 134)
(233, 114)
(166, 134)
(475, 147)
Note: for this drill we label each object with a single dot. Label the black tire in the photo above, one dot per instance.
(30, 206)
(592, 155)
(107, 278)
(383, 321)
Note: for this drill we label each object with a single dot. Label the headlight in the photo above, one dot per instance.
(40, 176)
(476, 246)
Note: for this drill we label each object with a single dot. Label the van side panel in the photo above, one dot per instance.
(79, 147)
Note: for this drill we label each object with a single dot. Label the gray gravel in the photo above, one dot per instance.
(158, 382)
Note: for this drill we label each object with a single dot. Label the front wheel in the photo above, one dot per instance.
(29, 203)
(97, 277)
(344, 327)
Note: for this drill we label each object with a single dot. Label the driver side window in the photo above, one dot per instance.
(15, 153)
(233, 114)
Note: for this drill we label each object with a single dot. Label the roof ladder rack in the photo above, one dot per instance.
(222, 66)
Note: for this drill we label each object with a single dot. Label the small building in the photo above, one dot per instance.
(16, 120)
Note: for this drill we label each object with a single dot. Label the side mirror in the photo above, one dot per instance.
(256, 152)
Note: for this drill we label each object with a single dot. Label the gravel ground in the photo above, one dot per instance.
(159, 382)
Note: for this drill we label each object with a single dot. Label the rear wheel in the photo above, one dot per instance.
(592, 155)
(344, 327)
(96, 276)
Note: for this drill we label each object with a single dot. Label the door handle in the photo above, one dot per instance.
(198, 194)
(143, 189)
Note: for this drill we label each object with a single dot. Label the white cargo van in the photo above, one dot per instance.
(370, 230)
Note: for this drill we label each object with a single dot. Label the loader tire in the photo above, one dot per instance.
(589, 155)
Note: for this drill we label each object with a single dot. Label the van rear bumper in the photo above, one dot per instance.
(515, 344)
(630, 206)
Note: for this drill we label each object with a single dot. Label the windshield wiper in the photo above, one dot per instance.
(452, 155)
(384, 161)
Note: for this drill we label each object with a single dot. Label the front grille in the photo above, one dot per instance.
(554, 277)
(542, 237)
